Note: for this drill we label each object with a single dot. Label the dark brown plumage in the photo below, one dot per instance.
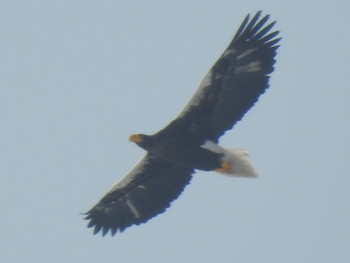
(189, 142)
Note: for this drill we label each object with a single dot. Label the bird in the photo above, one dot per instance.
(190, 141)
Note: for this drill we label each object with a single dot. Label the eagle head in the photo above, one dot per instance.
(142, 140)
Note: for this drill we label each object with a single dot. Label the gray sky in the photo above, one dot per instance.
(79, 76)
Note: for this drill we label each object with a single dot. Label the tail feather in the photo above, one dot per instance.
(236, 161)
(240, 162)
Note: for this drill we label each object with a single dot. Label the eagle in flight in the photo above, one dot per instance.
(190, 141)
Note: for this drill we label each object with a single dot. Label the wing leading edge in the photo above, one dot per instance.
(227, 92)
(234, 83)
(146, 191)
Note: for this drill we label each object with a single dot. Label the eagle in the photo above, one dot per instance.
(190, 142)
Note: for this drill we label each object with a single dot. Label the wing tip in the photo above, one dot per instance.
(99, 227)
(255, 29)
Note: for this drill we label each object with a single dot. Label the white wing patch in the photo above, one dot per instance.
(206, 81)
(200, 92)
(130, 176)
(246, 53)
(212, 147)
(132, 208)
(229, 52)
(250, 67)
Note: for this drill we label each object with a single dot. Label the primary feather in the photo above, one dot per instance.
(226, 93)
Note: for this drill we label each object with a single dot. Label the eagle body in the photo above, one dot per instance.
(190, 142)
(205, 156)
(180, 150)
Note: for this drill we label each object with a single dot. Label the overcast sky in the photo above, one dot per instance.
(78, 77)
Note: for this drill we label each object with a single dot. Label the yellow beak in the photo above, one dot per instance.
(135, 138)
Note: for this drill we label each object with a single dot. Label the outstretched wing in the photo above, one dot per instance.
(146, 191)
(234, 83)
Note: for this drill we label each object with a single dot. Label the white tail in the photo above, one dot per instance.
(240, 162)
(237, 159)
